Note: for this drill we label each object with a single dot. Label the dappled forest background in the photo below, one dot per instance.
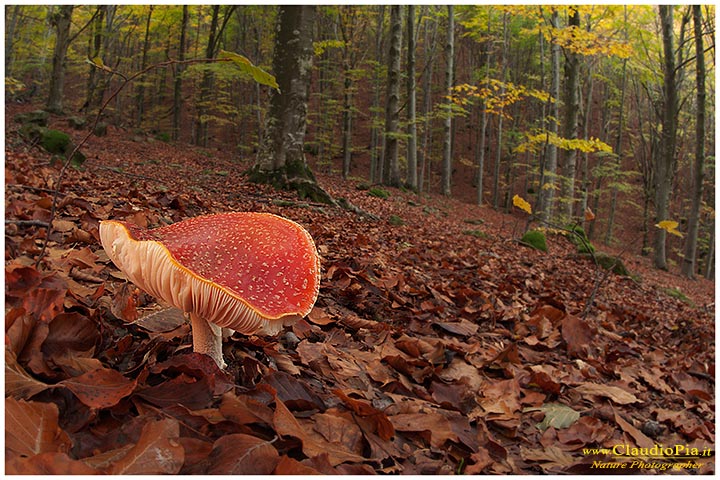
(570, 108)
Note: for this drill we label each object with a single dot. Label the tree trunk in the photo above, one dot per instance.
(481, 133)
(410, 85)
(618, 144)
(10, 37)
(423, 154)
(547, 189)
(61, 20)
(204, 101)
(666, 156)
(375, 156)
(570, 124)
(177, 87)
(391, 168)
(140, 99)
(499, 147)
(281, 160)
(688, 265)
(447, 124)
(95, 44)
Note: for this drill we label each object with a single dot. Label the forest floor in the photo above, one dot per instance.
(438, 343)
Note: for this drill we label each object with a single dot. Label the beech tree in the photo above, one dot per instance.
(688, 264)
(447, 123)
(281, 159)
(666, 154)
(61, 21)
(390, 164)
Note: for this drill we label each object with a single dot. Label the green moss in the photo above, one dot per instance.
(608, 262)
(676, 293)
(535, 239)
(577, 235)
(55, 141)
(476, 233)
(396, 221)
(378, 192)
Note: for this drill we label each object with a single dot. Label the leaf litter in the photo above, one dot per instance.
(428, 352)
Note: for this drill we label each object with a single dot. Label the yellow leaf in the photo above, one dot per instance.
(519, 202)
(670, 226)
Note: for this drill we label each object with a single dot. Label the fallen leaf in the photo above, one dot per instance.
(383, 426)
(240, 454)
(100, 388)
(557, 416)
(19, 383)
(32, 428)
(290, 466)
(616, 394)
(286, 424)
(48, 463)
(578, 336)
(157, 452)
(435, 426)
(642, 440)
(550, 458)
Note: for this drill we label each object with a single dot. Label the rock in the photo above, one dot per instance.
(36, 117)
(535, 239)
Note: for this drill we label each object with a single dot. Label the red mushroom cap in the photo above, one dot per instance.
(251, 272)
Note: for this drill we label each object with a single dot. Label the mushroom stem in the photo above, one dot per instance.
(207, 339)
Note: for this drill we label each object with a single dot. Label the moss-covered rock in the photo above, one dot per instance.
(77, 123)
(36, 117)
(608, 262)
(100, 129)
(535, 239)
(55, 141)
(395, 221)
(577, 235)
(476, 233)
(378, 192)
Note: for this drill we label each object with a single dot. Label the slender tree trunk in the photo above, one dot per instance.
(688, 265)
(10, 37)
(710, 261)
(481, 133)
(618, 152)
(140, 99)
(61, 20)
(586, 183)
(447, 124)
(666, 157)
(570, 123)
(177, 87)
(499, 147)
(547, 189)
(411, 90)
(391, 170)
(94, 51)
(423, 153)
(375, 155)
(203, 103)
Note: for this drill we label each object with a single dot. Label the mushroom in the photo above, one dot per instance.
(251, 272)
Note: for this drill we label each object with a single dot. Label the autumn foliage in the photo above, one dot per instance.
(429, 351)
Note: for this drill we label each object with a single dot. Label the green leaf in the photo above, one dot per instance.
(557, 415)
(258, 74)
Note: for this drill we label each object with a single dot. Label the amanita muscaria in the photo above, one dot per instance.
(250, 272)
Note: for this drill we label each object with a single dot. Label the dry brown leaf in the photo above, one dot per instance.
(19, 383)
(240, 454)
(615, 394)
(100, 388)
(435, 426)
(642, 440)
(32, 428)
(287, 424)
(48, 463)
(157, 452)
